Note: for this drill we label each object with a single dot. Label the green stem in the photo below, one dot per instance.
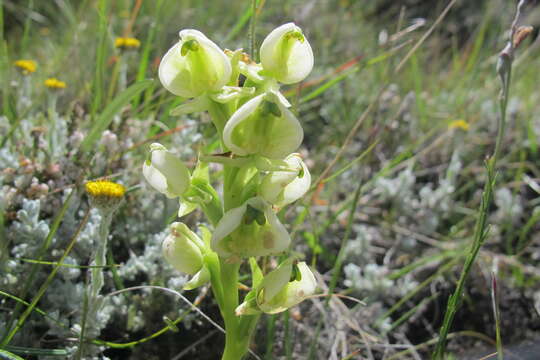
(53, 118)
(481, 227)
(224, 275)
(93, 300)
(236, 343)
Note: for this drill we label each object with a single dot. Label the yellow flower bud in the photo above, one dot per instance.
(26, 66)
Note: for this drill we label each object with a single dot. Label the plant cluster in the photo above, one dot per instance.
(261, 174)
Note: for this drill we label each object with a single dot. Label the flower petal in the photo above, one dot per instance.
(236, 119)
(280, 239)
(248, 131)
(197, 71)
(228, 223)
(174, 74)
(154, 178)
(286, 57)
(173, 169)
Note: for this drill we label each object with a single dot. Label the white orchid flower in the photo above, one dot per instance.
(194, 65)
(263, 126)
(286, 54)
(284, 187)
(251, 229)
(165, 172)
(289, 284)
(182, 249)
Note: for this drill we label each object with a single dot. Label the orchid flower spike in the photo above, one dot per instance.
(289, 284)
(251, 229)
(263, 126)
(194, 65)
(286, 54)
(165, 172)
(281, 188)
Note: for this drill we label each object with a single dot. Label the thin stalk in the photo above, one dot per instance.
(251, 34)
(287, 331)
(480, 233)
(496, 314)
(270, 338)
(93, 299)
(53, 119)
(504, 69)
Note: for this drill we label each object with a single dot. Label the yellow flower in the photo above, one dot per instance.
(459, 124)
(126, 43)
(105, 194)
(54, 83)
(26, 66)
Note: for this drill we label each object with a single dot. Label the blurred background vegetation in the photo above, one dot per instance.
(408, 134)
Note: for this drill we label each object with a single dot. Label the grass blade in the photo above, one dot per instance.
(106, 117)
(9, 356)
(45, 285)
(37, 352)
(100, 57)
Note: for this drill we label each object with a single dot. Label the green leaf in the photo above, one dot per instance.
(328, 84)
(4, 354)
(256, 273)
(9, 356)
(171, 324)
(106, 117)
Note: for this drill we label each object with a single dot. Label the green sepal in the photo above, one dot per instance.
(198, 104)
(199, 279)
(256, 273)
(264, 164)
(231, 93)
(206, 235)
(211, 262)
(203, 194)
(225, 160)
(234, 56)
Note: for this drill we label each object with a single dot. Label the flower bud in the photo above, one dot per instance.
(194, 65)
(251, 229)
(281, 188)
(182, 249)
(165, 172)
(263, 126)
(289, 284)
(286, 54)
